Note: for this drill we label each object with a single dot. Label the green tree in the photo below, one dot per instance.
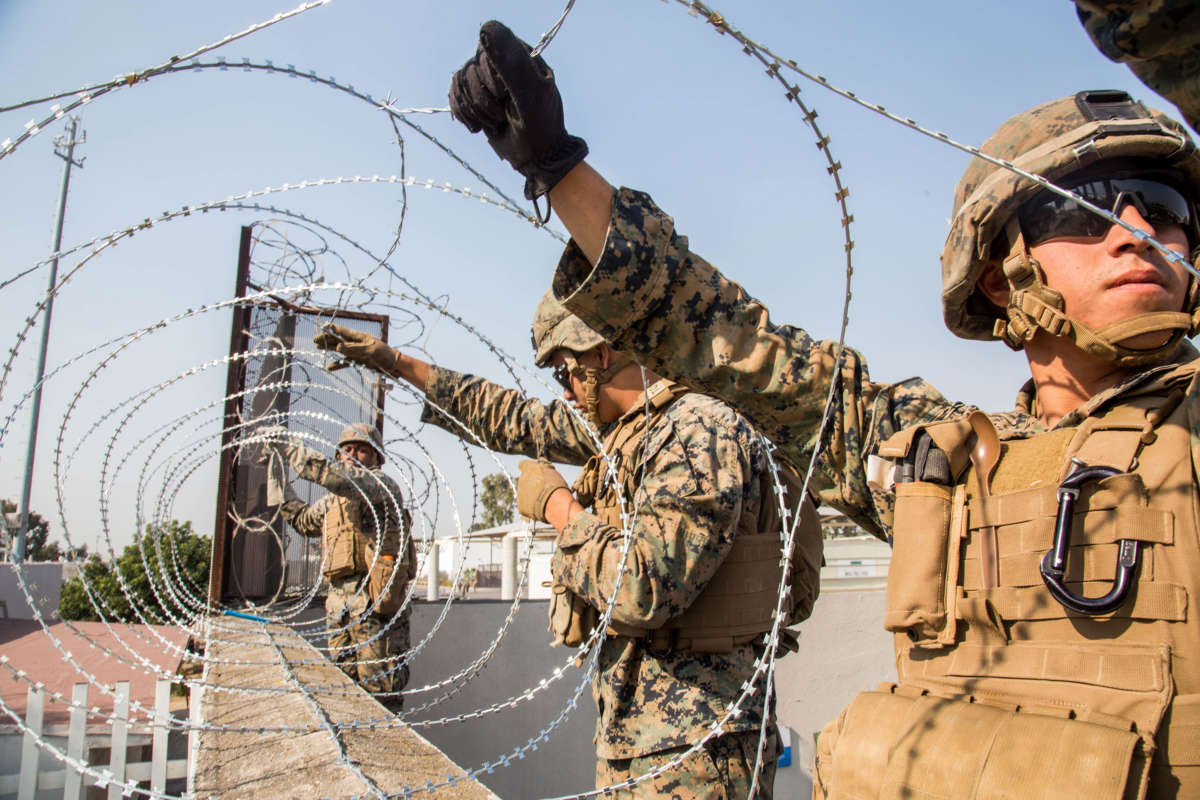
(497, 500)
(159, 589)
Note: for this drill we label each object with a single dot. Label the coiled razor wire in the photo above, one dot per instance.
(294, 277)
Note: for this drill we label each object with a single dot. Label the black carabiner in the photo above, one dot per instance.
(1054, 563)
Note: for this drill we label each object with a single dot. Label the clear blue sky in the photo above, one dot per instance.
(666, 104)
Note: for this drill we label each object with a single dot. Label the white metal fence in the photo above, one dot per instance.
(120, 772)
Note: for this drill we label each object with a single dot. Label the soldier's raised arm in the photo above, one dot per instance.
(1159, 40)
(475, 409)
(628, 275)
(367, 350)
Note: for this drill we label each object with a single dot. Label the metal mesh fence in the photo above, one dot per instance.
(279, 383)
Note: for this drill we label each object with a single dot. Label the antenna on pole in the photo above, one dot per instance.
(64, 148)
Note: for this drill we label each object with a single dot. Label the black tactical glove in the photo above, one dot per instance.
(512, 98)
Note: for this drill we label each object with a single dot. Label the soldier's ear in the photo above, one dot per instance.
(994, 284)
(599, 356)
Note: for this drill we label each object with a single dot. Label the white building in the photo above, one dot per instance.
(502, 551)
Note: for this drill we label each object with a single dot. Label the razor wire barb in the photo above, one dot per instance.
(164, 457)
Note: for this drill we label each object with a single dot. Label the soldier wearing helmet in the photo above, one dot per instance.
(367, 553)
(697, 482)
(1046, 560)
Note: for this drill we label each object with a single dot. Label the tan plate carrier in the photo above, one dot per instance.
(738, 603)
(1003, 692)
(349, 545)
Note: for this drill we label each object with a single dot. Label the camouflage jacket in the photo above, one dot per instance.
(369, 495)
(699, 487)
(1158, 39)
(655, 299)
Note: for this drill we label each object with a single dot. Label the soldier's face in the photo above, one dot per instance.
(357, 452)
(570, 379)
(1114, 277)
(565, 376)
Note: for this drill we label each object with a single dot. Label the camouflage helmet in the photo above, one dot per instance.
(363, 433)
(555, 327)
(1053, 140)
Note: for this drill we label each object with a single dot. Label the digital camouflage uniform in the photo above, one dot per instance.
(651, 296)
(360, 497)
(1158, 39)
(703, 485)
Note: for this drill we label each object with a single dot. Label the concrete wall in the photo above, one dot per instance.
(566, 763)
(843, 649)
(44, 580)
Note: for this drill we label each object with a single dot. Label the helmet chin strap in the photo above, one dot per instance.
(593, 378)
(1032, 305)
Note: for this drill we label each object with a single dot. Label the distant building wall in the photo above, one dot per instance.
(44, 581)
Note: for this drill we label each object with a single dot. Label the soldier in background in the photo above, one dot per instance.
(695, 478)
(367, 550)
(1042, 588)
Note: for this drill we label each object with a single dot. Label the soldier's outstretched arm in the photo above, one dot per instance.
(308, 520)
(584, 200)
(1159, 40)
(650, 296)
(360, 347)
(630, 277)
(344, 480)
(505, 419)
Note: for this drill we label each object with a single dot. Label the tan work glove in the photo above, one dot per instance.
(279, 491)
(276, 438)
(539, 480)
(571, 617)
(357, 346)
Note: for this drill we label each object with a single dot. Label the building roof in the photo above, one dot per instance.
(540, 530)
(26, 646)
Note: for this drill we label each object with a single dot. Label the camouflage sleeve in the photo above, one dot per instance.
(655, 299)
(505, 419)
(308, 520)
(344, 480)
(1158, 39)
(698, 474)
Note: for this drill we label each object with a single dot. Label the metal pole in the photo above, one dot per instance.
(69, 141)
(508, 570)
(235, 377)
(432, 572)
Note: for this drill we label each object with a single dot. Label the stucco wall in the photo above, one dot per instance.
(44, 581)
(843, 649)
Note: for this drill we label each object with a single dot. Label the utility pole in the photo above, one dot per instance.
(64, 148)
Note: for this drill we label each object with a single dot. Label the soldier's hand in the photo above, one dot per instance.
(512, 98)
(538, 481)
(359, 347)
(273, 439)
(290, 509)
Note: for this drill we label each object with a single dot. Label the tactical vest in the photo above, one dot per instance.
(738, 603)
(1004, 691)
(349, 542)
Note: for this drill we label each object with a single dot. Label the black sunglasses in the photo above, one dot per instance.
(1048, 215)
(563, 372)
